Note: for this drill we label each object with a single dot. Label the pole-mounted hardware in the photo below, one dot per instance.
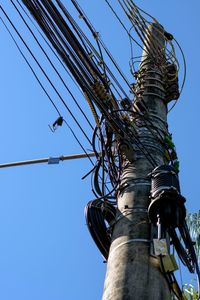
(167, 204)
(50, 160)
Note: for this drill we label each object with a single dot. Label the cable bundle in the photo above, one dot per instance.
(102, 91)
(119, 125)
(98, 214)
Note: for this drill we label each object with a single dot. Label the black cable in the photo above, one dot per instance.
(101, 163)
(78, 141)
(185, 71)
(70, 43)
(81, 81)
(58, 41)
(142, 148)
(71, 38)
(32, 70)
(51, 48)
(104, 78)
(183, 255)
(45, 90)
(48, 79)
(54, 68)
(98, 39)
(115, 14)
(97, 213)
(99, 104)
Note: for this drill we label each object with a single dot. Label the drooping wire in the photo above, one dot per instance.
(141, 26)
(134, 14)
(99, 41)
(31, 68)
(45, 74)
(137, 141)
(47, 94)
(78, 141)
(119, 124)
(75, 72)
(185, 72)
(52, 65)
(122, 24)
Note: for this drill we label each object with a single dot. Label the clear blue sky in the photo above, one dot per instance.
(46, 252)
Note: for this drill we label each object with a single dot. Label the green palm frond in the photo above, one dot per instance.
(190, 292)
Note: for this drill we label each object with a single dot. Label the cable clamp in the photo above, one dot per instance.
(53, 160)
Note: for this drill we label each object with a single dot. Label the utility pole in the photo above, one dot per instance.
(136, 162)
(133, 271)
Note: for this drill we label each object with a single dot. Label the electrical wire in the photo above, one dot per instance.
(122, 24)
(185, 73)
(118, 125)
(100, 87)
(99, 40)
(97, 213)
(45, 74)
(29, 65)
(51, 8)
(47, 94)
(78, 141)
(52, 65)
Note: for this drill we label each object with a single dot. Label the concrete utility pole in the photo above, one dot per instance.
(133, 272)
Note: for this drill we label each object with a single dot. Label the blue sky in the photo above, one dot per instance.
(46, 251)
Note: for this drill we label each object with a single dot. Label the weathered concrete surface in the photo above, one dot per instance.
(132, 273)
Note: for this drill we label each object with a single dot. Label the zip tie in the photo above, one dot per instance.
(129, 242)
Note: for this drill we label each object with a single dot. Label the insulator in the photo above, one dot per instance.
(166, 200)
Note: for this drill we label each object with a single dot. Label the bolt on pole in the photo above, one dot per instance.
(133, 271)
